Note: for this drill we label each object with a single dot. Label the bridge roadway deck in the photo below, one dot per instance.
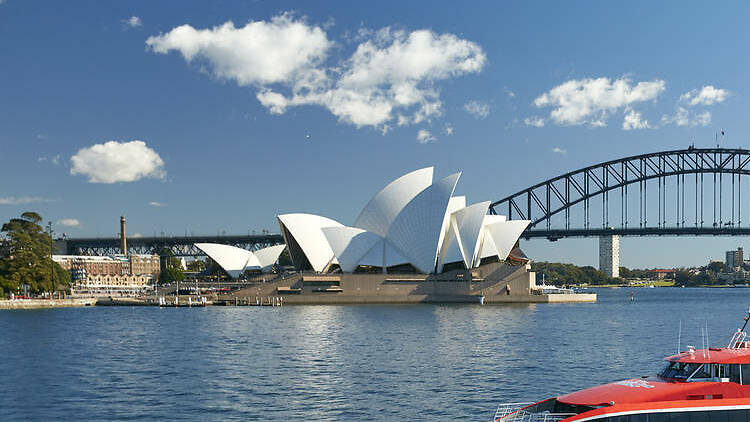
(555, 234)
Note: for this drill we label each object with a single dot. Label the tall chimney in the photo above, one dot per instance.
(123, 239)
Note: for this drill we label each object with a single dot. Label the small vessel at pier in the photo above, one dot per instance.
(702, 385)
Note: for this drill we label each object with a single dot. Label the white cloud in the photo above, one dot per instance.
(391, 74)
(113, 162)
(132, 22)
(560, 151)
(510, 93)
(23, 200)
(477, 109)
(258, 53)
(591, 101)
(157, 204)
(68, 222)
(54, 159)
(683, 117)
(425, 137)
(534, 121)
(448, 129)
(634, 120)
(707, 95)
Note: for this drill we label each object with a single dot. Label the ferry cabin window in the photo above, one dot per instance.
(681, 370)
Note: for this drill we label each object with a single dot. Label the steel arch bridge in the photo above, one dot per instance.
(693, 191)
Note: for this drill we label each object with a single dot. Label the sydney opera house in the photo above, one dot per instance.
(413, 242)
(413, 225)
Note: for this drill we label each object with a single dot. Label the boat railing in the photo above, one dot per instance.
(738, 340)
(514, 412)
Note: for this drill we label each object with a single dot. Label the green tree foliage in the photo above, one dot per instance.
(28, 259)
(196, 265)
(559, 274)
(171, 268)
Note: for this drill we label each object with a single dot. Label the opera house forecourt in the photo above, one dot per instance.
(413, 242)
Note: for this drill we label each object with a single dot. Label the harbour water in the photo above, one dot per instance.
(365, 362)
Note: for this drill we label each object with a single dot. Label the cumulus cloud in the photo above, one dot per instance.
(132, 22)
(425, 137)
(707, 95)
(634, 120)
(68, 222)
(448, 129)
(258, 53)
(391, 74)
(683, 117)
(534, 121)
(558, 150)
(23, 200)
(157, 204)
(113, 162)
(477, 109)
(591, 101)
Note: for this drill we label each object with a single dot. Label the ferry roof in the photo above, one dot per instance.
(713, 355)
(641, 390)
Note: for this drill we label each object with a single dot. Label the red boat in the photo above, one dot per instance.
(704, 385)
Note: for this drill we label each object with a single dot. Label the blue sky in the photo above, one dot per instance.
(213, 157)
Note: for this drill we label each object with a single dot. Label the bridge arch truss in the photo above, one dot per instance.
(694, 191)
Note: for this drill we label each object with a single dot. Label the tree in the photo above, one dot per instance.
(171, 268)
(196, 265)
(29, 259)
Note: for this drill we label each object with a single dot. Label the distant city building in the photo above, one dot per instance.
(108, 275)
(609, 255)
(734, 259)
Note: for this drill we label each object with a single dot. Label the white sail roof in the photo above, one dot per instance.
(232, 259)
(487, 246)
(416, 230)
(505, 234)
(266, 257)
(469, 222)
(380, 212)
(306, 231)
(450, 251)
(455, 203)
(350, 245)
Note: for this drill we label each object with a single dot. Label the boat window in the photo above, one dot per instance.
(745, 374)
(682, 370)
(734, 374)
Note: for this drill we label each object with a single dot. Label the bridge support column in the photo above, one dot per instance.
(609, 255)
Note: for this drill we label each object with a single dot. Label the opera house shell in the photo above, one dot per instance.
(414, 224)
(236, 261)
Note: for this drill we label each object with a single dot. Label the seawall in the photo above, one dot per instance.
(46, 303)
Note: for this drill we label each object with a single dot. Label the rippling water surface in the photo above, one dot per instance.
(371, 362)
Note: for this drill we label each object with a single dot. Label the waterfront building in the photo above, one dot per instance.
(413, 225)
(235, 261)
(734, 259)
(108, 275)
(609, 255)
